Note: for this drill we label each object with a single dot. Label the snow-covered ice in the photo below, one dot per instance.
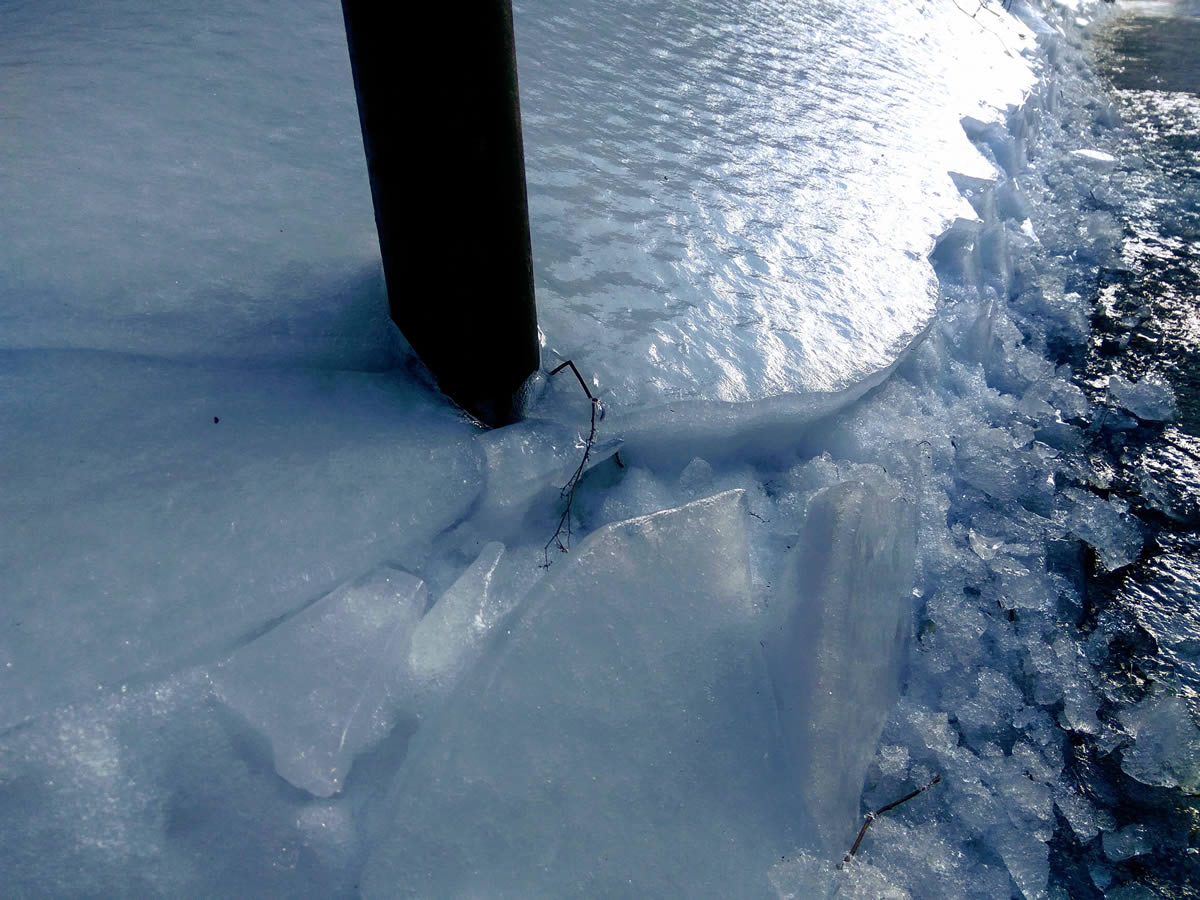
(158, 512)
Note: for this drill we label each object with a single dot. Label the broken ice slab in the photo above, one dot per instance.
(449, 638)
(1166, 743)
(835, 660)
(617, 739)
(1150, 399)
(327, 683)
(158, 791)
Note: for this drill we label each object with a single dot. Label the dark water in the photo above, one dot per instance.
(1148, 323)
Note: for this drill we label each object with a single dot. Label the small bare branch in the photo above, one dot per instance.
(562, 535)
(874, 814)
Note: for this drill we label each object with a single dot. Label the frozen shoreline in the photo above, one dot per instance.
(208, 614)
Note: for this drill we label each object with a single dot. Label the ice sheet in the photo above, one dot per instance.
(728, 203)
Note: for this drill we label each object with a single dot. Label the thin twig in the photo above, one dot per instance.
(872, 816)
(568, 489)
(982, 6)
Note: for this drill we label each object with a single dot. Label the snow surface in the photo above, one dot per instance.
(826, 479)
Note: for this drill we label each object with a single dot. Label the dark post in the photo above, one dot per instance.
(437, 99)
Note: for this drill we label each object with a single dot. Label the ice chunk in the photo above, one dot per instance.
(448, 639)
(1078, 812)
(835, 661)
(1150, 399)
(322, 686)
(1095, 159)
(1027, 859)
(987, 461)
(1133, 840)
(1106, 525)
(1166, 743)
(615, 741)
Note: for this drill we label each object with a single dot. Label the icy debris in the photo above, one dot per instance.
(859, 880)
(1151, 399)
(616, 738)
(1027, 859)
(802, 876)
(449, 638)
(1166, 743)
(323, 685)
(696, 476)
(529, 460)
(1133, 840)
(835, 661)
(1078, 812)
(1106, 526)
(1095, 159)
